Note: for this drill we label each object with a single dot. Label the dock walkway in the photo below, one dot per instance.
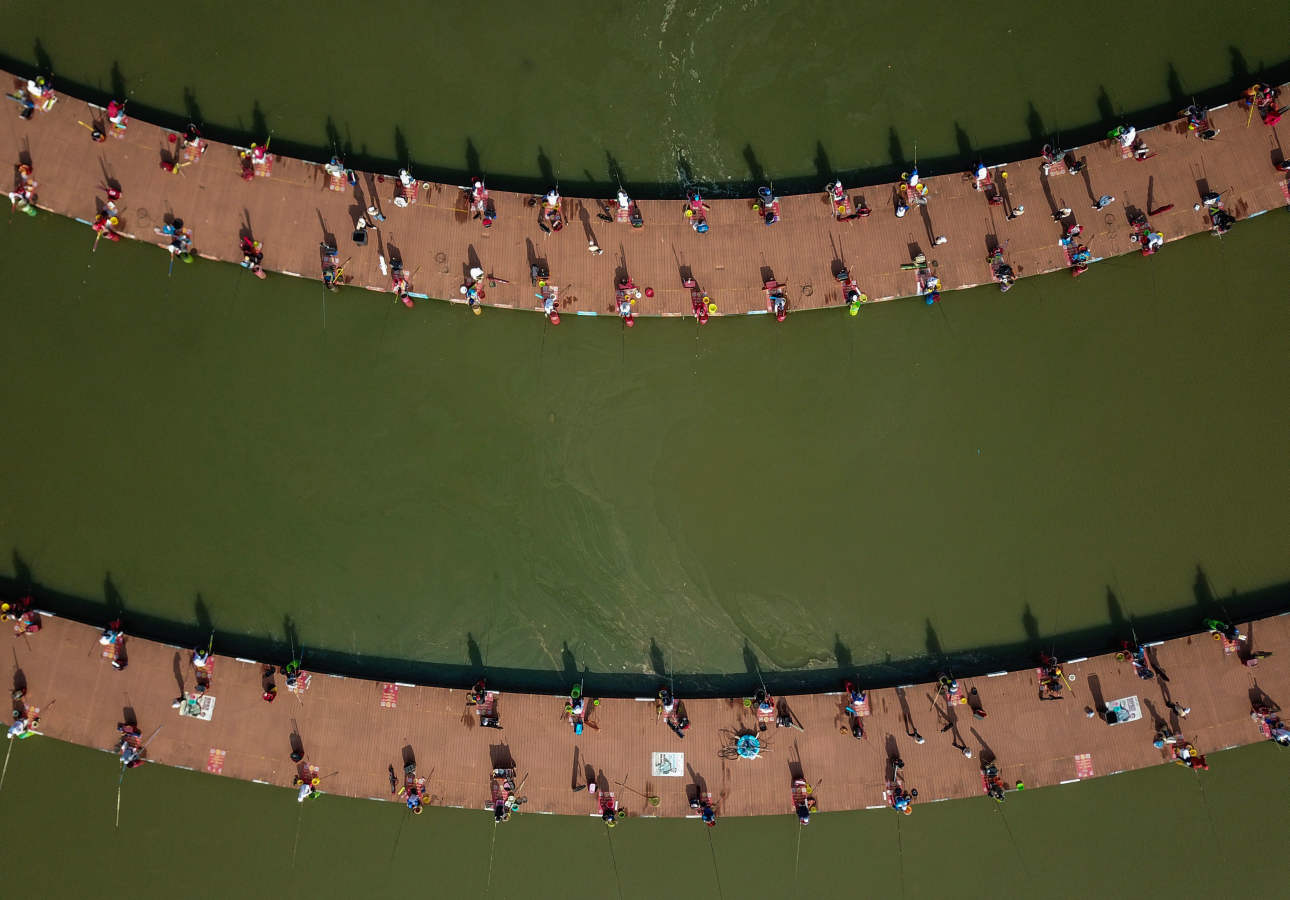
(358, 734)
(439, 241)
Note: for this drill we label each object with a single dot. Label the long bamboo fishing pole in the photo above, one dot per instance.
(492, 846)
(295, 844)
(5, 772)
(120, 781)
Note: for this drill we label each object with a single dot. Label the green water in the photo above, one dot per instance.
(1153, 833)
(395, 481)
(831, 490)
(644, 81)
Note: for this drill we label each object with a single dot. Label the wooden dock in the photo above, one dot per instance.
(295, 208)
(357, 735)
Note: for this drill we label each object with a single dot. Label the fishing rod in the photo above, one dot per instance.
(492, 847)
(649, 798)
(757, 666)
(295, 844)
(120, 781)
(5, 771)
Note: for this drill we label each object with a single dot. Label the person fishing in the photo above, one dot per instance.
(471, 290)
(331, 271)
(480, 204)
(292, 672)
(117, 118)
(777, 302)
(902, 800)
(399, 286)
(696, 211)
(1138, 654)
(130, 748)
(103, 224)
(252, 256)
(768, 204)
(112, 634)
(707, 815)
(1227, 630)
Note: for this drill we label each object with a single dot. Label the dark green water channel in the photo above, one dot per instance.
(832, 490)
(397, 480)
(1160, 832)
(736, 86)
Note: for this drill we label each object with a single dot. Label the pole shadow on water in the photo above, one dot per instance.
(116, 80)
(191, 107)
(472, 158)
(842, 654)
(236, 133)
(823, 167)
(568, 664)
(556, 679)
(545, 170)
(932, 642)
(1115, 613)
(757, 173)
(45, 65)
(402, 155)
(895, 150)
(656, 660)
(1035, 124)
(1105, 107)
(112, 596)
(1030, 625)
(259, 123)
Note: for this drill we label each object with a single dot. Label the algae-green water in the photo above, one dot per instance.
(735, 87)
(1153, 833)
(963, 475)
(830, 490)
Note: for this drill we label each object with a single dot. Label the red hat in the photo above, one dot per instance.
(407, 301)
(555, 318)
(779, 316)
(629, 320)
(649, 292)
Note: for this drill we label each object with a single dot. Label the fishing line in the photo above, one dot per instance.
(797, 858)
(614, 860)
(1210, 815)
(716, 873)
(491, 847)
(900, 855)
(398, 835)
(300, 815)
(1015, 848)
(6, 762)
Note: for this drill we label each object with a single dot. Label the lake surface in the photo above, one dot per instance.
(795, 89)
(1152, 833)
(915, 479)
(837, 490)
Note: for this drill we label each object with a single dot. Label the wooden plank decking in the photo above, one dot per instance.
(357, 729)
(436, 237)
